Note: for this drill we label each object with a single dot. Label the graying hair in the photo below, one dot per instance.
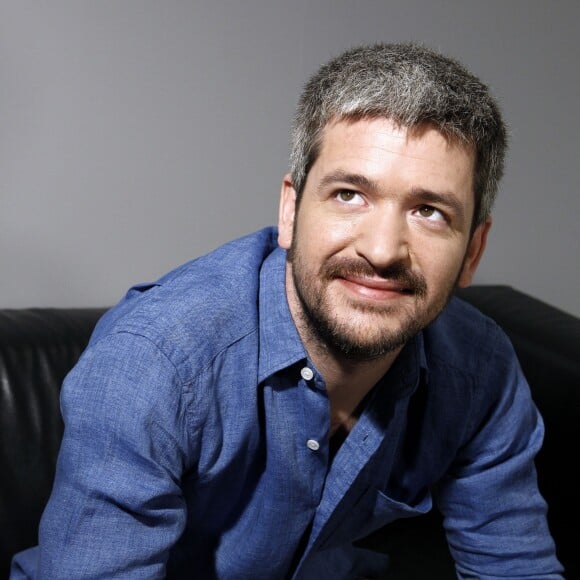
(411, 85)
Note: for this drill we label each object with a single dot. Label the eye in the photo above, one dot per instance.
(347, 196)
(431, 213)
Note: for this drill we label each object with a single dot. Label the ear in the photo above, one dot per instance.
(474, 253)
(286, 213)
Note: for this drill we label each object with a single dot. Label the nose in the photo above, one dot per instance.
(382, 238)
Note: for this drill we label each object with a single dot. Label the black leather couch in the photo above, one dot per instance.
(39, 346)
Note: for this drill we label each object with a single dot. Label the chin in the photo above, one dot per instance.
(366, 340)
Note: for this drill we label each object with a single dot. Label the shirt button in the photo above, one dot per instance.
(313, 445)
(307, 374)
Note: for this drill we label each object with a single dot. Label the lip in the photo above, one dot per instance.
(374, 288)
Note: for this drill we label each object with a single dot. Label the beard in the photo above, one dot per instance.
(355, 330)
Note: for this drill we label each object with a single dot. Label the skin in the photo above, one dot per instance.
(378, 242)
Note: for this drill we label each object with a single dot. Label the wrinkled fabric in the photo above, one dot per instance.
(196, 444)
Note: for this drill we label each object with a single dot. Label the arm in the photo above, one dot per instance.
(116, 507)
(494, 515)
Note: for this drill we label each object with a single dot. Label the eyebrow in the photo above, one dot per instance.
(354, 179)
(446, 199)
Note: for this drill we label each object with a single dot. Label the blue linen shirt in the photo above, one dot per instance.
(196, 443)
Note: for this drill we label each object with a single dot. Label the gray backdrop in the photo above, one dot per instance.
(135, 135)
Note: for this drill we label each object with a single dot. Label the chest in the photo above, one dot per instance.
(264, 478)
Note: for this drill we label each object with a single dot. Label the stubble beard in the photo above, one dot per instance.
(384, 329)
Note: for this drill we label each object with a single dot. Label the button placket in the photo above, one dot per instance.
(307, 374)
(312, 438)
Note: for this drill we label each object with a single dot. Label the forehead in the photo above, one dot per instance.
(383, 150)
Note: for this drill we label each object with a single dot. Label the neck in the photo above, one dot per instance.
(347, 380)
(343, 374)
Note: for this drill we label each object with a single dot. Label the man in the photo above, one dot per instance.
(256, 412)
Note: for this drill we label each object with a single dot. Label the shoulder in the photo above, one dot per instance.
(201, 307)
(474, 377)
(471, 363)
(464, 338)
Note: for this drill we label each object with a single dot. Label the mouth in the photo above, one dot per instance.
(378, 289)
(364, 283)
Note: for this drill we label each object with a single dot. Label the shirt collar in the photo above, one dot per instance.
(408, 369)
(280, 344)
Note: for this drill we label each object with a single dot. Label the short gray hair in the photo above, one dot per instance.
(410, 85)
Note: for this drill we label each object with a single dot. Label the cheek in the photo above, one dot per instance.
(440, 265)
(320, 235)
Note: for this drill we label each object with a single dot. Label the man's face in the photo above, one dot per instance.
(381, 236)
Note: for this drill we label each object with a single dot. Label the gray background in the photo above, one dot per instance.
(135, 135)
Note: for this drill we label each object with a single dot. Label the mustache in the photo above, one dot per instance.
(397, 272)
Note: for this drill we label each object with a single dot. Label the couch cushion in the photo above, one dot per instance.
(37, 348)
(547, 341)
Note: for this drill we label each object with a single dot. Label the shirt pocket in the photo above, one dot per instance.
(339, 557)
(374, 510)
(379, 509)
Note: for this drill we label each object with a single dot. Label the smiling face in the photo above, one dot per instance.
(381, 236)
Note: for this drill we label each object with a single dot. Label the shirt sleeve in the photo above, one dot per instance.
(116, 507)
(494, 515)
